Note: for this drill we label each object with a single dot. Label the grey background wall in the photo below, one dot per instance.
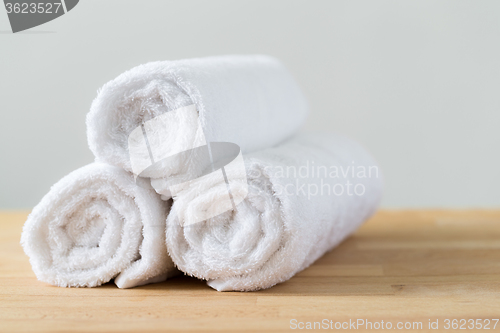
(417, 82)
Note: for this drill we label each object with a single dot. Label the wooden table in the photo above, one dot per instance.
(401, 267)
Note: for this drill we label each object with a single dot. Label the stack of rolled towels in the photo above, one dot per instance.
(199, 168)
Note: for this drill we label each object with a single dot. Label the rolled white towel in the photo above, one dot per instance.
(94, 225)
(288, 219)
(251, 101)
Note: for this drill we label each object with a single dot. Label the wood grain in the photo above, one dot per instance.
(406, 266)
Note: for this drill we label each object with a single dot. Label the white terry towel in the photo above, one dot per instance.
(94, 225)
(294, 212)
(251, 101)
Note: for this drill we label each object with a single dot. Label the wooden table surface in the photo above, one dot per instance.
(401, 268)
